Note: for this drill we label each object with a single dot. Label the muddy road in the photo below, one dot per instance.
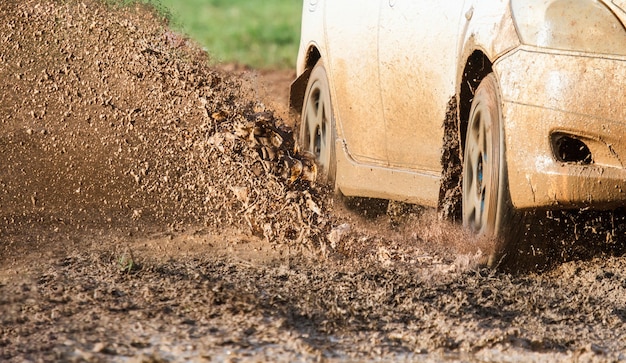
(153, 209)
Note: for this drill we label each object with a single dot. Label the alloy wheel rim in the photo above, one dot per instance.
(478, 180)
(317, 116)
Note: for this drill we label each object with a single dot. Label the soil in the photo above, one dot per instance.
(156, 209)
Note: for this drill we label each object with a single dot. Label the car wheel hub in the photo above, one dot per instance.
(316, 120)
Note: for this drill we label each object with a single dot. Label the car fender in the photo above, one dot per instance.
(312, 32)
(490, 29)
(312, 42)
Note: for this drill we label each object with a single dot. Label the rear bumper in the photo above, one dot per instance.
(546, 94)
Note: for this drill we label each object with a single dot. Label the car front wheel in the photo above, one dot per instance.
(486, 207)
(317, 127)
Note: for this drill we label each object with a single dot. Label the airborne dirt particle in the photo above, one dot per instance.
(450, 192)
(154, 209)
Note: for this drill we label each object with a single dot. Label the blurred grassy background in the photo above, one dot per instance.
(258, 33)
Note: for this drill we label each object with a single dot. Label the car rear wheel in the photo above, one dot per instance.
(486, 207)
(317, 127)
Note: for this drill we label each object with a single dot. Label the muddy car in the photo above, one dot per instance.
(495, 106)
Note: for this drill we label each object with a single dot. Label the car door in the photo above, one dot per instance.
(352, 38)
(418, 47)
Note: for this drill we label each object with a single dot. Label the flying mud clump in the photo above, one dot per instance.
(111, 121)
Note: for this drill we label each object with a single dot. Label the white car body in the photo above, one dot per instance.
(395, 67)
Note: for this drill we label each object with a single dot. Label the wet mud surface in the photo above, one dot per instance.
(153, 209)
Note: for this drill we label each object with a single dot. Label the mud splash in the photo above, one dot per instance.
(153, 210)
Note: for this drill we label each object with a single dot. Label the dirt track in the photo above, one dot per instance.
(152, 210)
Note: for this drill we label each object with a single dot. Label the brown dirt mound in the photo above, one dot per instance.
(114, 120)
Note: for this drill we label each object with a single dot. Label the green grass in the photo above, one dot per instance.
(258, 33)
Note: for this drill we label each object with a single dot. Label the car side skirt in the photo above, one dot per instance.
(355, 179)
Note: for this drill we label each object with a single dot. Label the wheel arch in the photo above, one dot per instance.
(298, 86)
(475, 68)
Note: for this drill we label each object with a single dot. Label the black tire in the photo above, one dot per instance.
(486, 207)
(317, 126)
